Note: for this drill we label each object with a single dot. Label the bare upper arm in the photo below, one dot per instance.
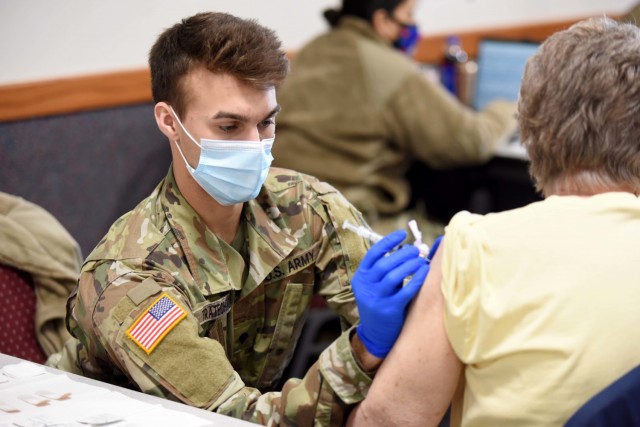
(416, 382)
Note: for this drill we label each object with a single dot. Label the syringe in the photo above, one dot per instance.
(417, 235)
(375, 237)
(362, 231)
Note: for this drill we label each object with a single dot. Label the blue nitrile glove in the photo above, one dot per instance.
(434, 248)
(382, 300)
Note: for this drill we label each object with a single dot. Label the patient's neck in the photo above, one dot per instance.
(586, 184)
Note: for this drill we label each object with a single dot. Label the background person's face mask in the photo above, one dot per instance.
(230, 171)
(408, 38)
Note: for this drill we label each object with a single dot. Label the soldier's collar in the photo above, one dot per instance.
(269, 241)
(203, 251)
(265, 218)
(361, 26)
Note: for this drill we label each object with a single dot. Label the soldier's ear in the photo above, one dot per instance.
(166, 121)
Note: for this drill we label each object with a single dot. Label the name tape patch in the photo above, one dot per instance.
(214, 310)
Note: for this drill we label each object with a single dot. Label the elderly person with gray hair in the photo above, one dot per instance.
(528, 313)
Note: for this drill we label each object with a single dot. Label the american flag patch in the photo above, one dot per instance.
(156, 322)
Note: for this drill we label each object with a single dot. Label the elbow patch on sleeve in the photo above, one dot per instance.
(194, 369)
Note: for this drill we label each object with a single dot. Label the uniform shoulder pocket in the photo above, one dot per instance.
(323, 188)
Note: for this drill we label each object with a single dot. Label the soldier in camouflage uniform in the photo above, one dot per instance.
(199, 294)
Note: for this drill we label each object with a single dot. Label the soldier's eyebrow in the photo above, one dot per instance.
(242, 117)
(232, 116)
(274, 111)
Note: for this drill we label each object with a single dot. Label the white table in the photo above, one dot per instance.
(215, 419)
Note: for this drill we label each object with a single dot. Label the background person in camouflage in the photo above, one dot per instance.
(199, 293)
(356, 102)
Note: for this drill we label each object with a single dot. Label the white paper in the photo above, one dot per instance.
(36, 398)
(23, 370)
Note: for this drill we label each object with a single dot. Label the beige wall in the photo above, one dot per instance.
(45, 39)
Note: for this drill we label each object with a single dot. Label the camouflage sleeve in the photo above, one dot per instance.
(336, 382)
(124, 324)
(342, 382)
(341, 250)
(175, 362)
(323, 397)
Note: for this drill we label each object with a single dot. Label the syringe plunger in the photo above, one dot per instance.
(362, 231)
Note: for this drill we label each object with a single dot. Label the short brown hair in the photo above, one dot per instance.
(221, 43)
(579, 106)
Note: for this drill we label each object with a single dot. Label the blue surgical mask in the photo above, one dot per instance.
(408, 39)
(230, 171)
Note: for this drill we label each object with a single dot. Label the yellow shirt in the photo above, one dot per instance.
(542, 305)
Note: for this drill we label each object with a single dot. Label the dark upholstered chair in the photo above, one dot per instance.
(17, 326)
(87, 168)
(616, 405)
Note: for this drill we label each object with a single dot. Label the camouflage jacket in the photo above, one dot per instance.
(355, 103)
(236, 320)
(34, 241)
